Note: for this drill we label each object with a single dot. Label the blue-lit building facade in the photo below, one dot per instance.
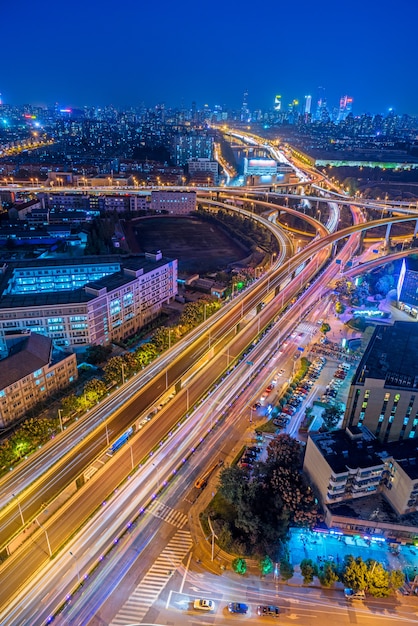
(85, 301)
(407, 288)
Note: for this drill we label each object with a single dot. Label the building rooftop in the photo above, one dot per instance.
(373, 508)
(110, 282)
(25, 357)
(343, 452)
(356, 448)
(391, 356)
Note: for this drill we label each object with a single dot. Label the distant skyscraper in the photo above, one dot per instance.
(321, 104)
(277, 103)
(245, 112)
(346, 104)
(308, 104)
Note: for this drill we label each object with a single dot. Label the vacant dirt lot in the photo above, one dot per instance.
(199, 247)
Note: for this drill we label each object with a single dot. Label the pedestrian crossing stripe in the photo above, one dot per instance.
(155, 579)
(169, 515)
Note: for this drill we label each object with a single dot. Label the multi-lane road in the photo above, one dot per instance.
(216, 347)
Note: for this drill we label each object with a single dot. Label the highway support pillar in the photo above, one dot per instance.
(387, 236)
(416, 228)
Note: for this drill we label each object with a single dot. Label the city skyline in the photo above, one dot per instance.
(85, 56)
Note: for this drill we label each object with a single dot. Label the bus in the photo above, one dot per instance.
(120, 441)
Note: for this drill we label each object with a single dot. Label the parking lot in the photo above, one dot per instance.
(334, 546)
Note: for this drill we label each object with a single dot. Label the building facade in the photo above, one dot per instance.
(175, 202)
(30, 374)
(383, 395)
(85, 301)
(348, 465)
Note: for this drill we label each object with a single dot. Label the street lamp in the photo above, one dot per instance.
(76, 564)
(213, 538)
(46, 535)
(20, 509)
(60, 419)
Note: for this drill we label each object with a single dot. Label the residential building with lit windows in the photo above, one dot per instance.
(191, 146)
(82, 301)
(31, 373)
(174, 202)
(351, 466)
(383, 395)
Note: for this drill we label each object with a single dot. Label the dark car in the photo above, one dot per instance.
(269, 611)
(237, 607)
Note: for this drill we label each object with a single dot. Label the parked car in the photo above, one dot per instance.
(201, 604)
(268, 611)
(237, 607)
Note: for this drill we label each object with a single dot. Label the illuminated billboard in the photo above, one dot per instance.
(260, 167)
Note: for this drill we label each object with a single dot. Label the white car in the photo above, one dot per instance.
(203, 605)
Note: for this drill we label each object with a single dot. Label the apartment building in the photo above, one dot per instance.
(30, 374)
(82, 301)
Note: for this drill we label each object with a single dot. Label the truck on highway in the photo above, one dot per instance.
(202, 481)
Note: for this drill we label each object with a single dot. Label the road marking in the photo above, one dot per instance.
(169, 515)
(154, 581)
(185, 573)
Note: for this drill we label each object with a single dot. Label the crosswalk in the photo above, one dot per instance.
(166, 513)
(154, 581)
(307, 327)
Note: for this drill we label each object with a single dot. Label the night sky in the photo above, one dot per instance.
(140, 51)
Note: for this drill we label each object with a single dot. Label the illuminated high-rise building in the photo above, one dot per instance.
(245, 111)
(346, 104)
(321, 104)
(308, 104)
(277, 103)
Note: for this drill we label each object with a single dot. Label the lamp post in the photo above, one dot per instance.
(76, 564)
(60, 419)
(213, 539)
(46, 535)
(20, 509)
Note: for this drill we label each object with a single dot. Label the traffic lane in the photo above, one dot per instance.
(65, 524)
(245, 337)
(230, 319)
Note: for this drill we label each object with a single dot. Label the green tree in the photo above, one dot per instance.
(308, 570)
(97, 354)
(239, 566)
(113, 370)
(284, 451)
(266, 565)
(396, 579)
(325, 328)
(331, 415)
(130, 363)
(94, 390)
(286, 569)
(163, 338)
(69, 405)
(146, 353)
(355, 573)
(339, 307)
(328, 574)
(231, 480)
(378, 579)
